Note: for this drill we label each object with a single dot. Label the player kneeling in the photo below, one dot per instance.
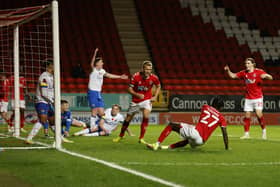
(210, 119)
(106, 125)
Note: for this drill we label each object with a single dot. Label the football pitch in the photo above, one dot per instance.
(254, 162)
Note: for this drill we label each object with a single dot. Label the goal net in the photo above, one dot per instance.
(28, 38)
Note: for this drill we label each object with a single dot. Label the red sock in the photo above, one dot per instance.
(165, 133)
(21, 120)
(261, 121)
(179, 144)
(124, 127)
(246, 124)
(144, 125)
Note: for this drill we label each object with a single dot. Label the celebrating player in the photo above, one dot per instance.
(4, 97)
(44, 102)
(252, 77)
(107, 124)
(95, 85)
(140, 88)
(210, 119)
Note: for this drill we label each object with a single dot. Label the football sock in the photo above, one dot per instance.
(261, 122)
(179, 144)
(34, 130)
(93, 120)
(246, 124)
(84, 131)
(92, 134)
(123, 129)
(165, 133)
(144, 126)
(21, 120)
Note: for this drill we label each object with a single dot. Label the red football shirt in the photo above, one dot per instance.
(143, 86)
(253, 83)
(22, 85)
(209, 120)
(4, 90)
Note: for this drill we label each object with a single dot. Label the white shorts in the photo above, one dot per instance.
(136, 107)
(21, 104)
(189, 132)
(4, 106)
(253, 104)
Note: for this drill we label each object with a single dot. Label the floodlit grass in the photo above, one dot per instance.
(253, 162)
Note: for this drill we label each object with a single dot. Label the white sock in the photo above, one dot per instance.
(84, 131)
(34, 130)
(93, 120)
(246, 133)
(264, 131)
(92, 134)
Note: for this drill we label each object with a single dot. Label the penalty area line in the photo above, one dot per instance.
(121, 168)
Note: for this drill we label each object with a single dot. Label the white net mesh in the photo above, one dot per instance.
(35, 47)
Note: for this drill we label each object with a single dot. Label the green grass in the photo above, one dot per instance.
(248, 163)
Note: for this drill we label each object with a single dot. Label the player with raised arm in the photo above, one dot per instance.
(106, 125)
(95, 86)
(4, 99)
(210, 119)
(252, 77)
(23, 91)
(140, 88)
(44, 102)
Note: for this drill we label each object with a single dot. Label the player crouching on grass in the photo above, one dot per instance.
(106, 125)
(210, 119)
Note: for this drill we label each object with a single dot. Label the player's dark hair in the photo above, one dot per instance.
(47, 62)
(97, 60)
(63, 101)
(251, 60)
(116, 105)
(217, 102)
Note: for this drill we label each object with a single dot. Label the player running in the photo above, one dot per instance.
(210, 119)
(252, 77)
(140, 88)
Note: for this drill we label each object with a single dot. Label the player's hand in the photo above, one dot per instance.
(140, 96)
(153, 99)
(123, 76)
(226, 68)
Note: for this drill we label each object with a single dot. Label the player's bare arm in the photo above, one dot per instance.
(93, 58)
(225, 137)
(158, 87)
(230, 74)
(113, 76)
(132, 92)
(267, 76)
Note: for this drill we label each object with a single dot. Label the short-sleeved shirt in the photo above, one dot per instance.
(22, 85)
(112, 121)
(210, 119)
(96, 79)
(45, 84)
(253, 83)
(66, 118)
(4, 90)
(143, 86)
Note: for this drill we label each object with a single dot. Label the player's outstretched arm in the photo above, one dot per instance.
(93, 58)
(267, 76)
(158, 87)
(225, 137)
(113, 76)
(230, 74)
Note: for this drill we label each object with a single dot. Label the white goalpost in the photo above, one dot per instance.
(28, 36)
